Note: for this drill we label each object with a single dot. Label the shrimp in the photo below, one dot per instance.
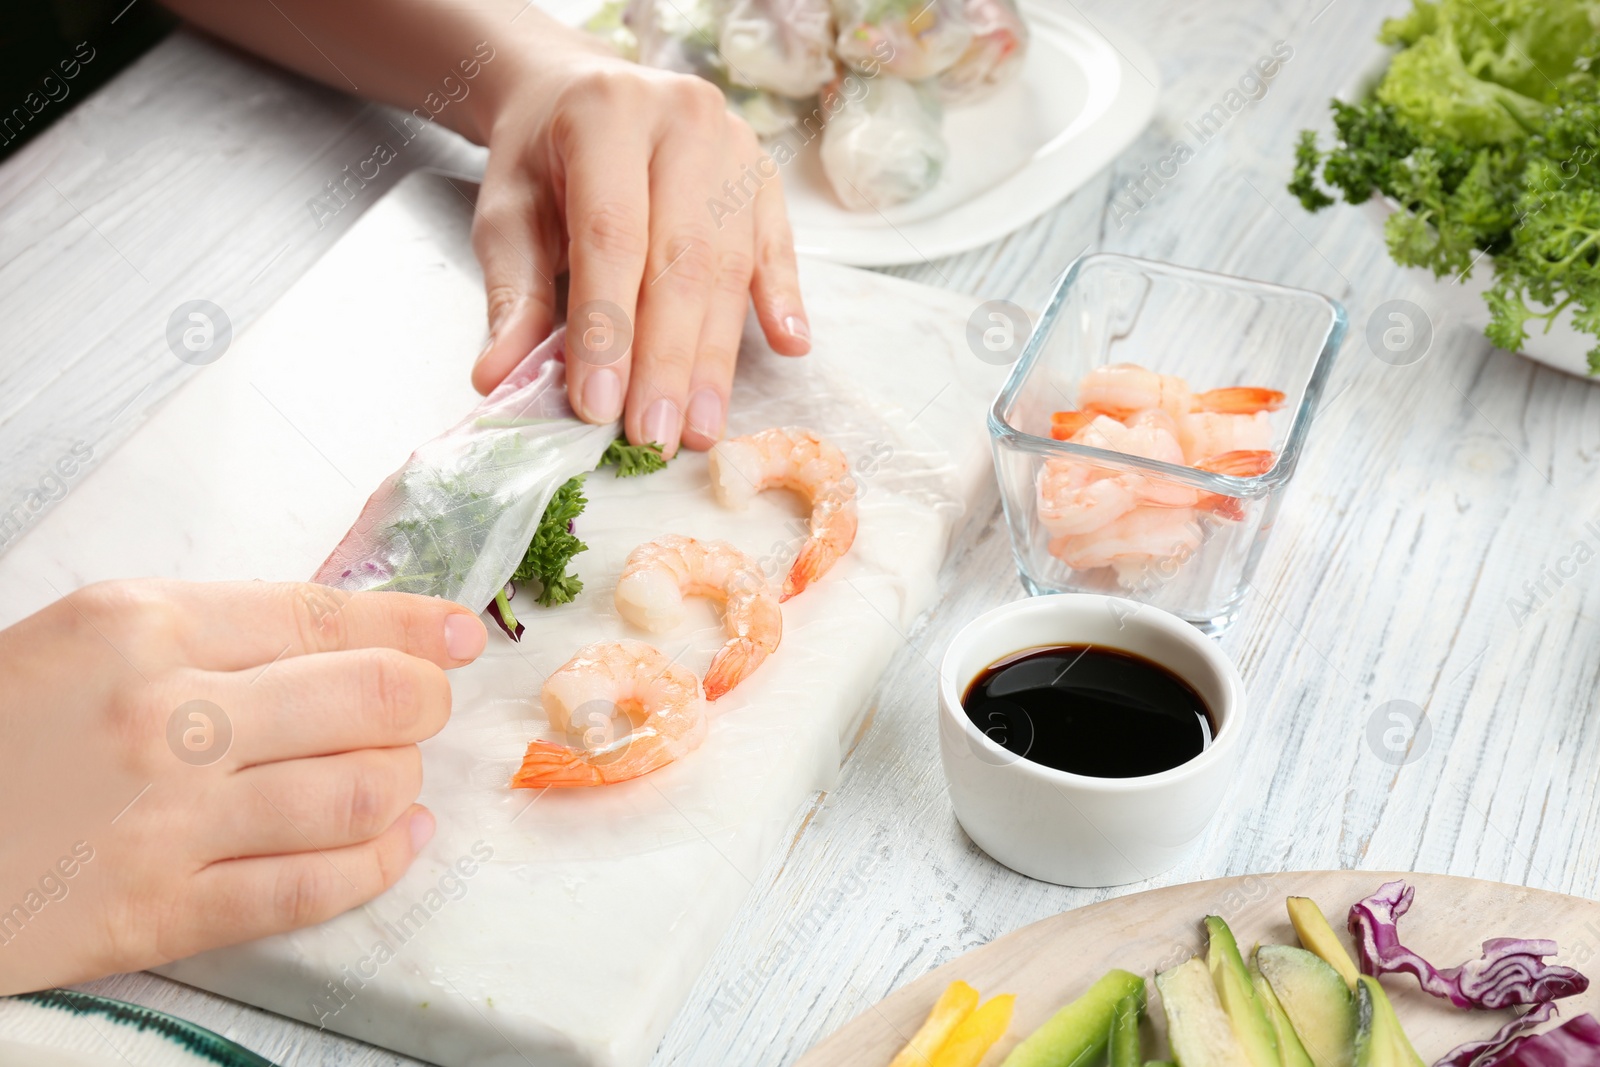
(1239, 400)
(1072, 500)
(1242, 464)
(1122, 389)
(662, 698)
(660, 573)
(790, 457)
(1203, 434)
(1140, 534)
(1075, 497)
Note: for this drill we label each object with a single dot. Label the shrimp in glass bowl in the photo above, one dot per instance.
(660, 573)
(791, 457)
(601, 683)
(1145, 436)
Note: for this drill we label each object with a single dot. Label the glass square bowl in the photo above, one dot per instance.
(1184, 539)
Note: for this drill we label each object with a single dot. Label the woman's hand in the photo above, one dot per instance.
(666, 211)
(185, 766)
(663, 207)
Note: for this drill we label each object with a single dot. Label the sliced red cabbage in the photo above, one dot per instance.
(1575, 1043)
(1480, 1053)
(1510, 972)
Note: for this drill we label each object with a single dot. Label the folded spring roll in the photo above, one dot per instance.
(911, 39)
(881, 145)
(456, 519)
(678, 35)
(999, 45)
(683, 36)
(783, 46)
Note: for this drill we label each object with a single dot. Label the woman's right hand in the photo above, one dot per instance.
(185, 766)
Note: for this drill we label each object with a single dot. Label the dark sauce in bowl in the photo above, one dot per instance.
(1090, 710)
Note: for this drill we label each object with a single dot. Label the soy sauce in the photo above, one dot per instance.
(1089, 710)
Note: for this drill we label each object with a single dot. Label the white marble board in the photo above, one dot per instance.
(578, 938)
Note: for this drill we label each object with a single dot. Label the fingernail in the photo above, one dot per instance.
(662, 424)
(602, 395)
(796, 326)
(705, 413)
(464, 637)
(422, 827)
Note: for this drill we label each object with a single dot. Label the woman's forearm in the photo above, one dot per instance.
(448, 59)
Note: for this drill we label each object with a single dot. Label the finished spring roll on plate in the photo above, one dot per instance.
(783, 46)
(881, 145)
(999, 45)
(911, 39)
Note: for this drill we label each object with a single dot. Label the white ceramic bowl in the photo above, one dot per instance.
(1072, 829)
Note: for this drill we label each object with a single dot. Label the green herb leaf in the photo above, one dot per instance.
(1483, 130)
(554, 545)
(631, 460)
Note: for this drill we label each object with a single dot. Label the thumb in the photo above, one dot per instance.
(518, 282)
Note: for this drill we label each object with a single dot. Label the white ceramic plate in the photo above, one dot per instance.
(1083, 95)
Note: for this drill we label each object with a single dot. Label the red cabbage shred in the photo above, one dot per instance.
(1511, 971)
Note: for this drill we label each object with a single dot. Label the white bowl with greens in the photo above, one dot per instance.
(1475, 145)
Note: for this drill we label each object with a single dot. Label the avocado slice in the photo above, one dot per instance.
(1198, 1029)
(1290, 1050)
(1318, 936)
(1380, 1042)
(1078, 1032)
(1250, 1023)
(1319, 1005)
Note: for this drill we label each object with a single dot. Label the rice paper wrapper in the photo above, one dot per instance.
(911, 39)
(999, 46)
(457, 518)
(783, 46)
(883, 146)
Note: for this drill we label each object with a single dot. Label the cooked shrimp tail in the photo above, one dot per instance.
(1064, 424)
(833, 530)
(732, 662)
(1241, 463)
(548, 765)
(1239, 400)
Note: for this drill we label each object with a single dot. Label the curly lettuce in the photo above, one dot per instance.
(1484, 130)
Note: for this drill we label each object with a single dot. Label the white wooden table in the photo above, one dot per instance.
(1428, 552)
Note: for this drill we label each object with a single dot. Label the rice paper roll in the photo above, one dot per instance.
(782, 46)
(677, 35)
(683, 36)
(999, 45)
(609, 23)
(881, 145)
(457, 518)
(911, 39)
(768, 113)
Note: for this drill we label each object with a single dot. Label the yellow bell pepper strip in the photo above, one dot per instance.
(977, 1033)
(949, 1011)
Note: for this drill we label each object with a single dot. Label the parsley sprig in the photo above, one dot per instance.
(554, 543)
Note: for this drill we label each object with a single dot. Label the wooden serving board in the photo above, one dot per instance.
(1052, 961)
